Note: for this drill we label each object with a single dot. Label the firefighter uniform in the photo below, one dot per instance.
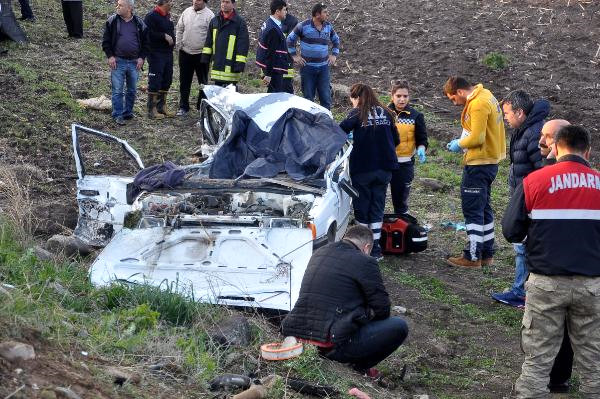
(227, 44)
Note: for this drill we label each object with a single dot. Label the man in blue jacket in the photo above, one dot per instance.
(526, 118)
(315, 36)
(271, 54)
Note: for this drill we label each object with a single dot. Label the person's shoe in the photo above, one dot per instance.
(459, 261)
(120, 121)
(487, 261)
(509, 298)
(376, 252)
(161, 104)
(181, 112)
(128, 117)
(152, 111)
(563, 387)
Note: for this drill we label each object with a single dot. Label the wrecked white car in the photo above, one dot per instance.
(239, 228)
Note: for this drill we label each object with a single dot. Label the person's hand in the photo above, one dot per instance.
(299, 60)
(332, 60)
(140, 64)
(421, 154)
(112, 62)
(453, 146)
(169, 39)
(266, 80)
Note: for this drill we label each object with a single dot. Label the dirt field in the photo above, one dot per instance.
(461, 343)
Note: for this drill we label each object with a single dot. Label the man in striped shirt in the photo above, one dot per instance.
(315, 36)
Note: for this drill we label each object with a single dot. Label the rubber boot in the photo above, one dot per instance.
(161, 106)
(152, 111)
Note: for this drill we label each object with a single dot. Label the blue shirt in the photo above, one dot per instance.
(314, 43)
(277, 22)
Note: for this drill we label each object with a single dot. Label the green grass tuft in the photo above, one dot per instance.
(495, 60)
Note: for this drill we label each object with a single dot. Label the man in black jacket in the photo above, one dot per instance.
(125, 44)
(271, 54)
(526, 118)
(557, 210)
(227, 45)
(161, 31)
(343, 306)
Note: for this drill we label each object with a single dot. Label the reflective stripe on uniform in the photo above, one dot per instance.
(566, 214)
(214, 40)
(289, 74)
(207, 50)
(230, 47)
(225, 76)
(240, 58)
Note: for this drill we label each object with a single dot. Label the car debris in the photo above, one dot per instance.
(233, 241)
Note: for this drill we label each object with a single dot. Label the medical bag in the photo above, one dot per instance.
(401, 234)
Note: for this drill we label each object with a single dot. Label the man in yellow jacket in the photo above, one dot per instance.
(483, 144)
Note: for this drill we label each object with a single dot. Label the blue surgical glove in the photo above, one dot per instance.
(421, 154)
(453, 146)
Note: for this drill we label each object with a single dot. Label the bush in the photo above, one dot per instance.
(495, 61)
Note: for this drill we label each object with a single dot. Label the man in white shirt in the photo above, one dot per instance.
(191, 31)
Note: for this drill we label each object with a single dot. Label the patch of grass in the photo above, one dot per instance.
(435, 379)
(434, 290)
(167, 299)
(23, 71)
(495, 60)
(437, 171)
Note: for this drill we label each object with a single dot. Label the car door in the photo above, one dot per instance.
(338, 178)
(105, 166)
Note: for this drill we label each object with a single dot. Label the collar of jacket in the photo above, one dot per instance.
(406, 109)
(350, 243)
(539, 112)
(160, 11)
(573, 158)
(230, 18)
(474, 93)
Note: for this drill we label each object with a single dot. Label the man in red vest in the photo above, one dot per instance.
(557, 211)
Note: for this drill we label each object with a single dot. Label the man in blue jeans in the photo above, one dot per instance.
(526, 118)
(125, 45)
(315, 36)
(351, 323)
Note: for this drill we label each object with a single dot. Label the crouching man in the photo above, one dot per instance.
(343, 307)
(557, 209)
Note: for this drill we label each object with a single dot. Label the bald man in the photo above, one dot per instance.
(546, 142)
(563, 363)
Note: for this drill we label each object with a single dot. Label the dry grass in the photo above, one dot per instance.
(16, 200)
